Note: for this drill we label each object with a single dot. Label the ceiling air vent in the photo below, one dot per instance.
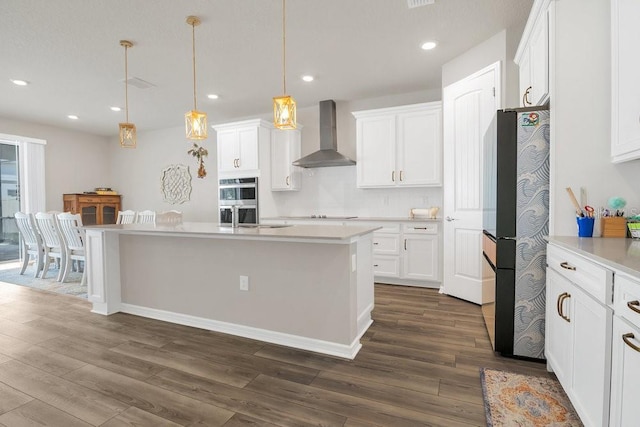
(418, 3)
(139, 83)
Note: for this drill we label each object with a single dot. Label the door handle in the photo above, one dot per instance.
(566, 295)
(393, 176)
(525, 97)
(401, 175)
(405, 244)
(633, 306)
(287, 181)
(559, 304)
(566, 266)
(449, 219)
(627, 340)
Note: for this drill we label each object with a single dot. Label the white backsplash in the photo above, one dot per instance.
(333, 191)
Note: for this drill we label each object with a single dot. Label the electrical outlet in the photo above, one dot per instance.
(244, 283)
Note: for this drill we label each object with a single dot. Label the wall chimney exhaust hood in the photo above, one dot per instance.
(328, 154)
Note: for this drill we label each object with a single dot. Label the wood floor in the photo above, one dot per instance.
(60, 365)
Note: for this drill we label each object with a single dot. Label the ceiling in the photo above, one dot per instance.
(70, 53)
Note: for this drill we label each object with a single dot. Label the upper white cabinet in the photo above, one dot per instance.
(533, 56)
(399, 146)
(285, 149)
(625, 91)
(238, 146)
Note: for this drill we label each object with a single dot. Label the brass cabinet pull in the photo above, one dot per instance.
(563, 316)
(287, 181)
(401, 175)
(525, 97)
(238, 162)
(393, 176)
(566, 266)
(405, 244)
(559, 303)
(633, 306)
(626, 338)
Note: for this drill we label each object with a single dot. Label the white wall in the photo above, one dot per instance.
(137, 173)
(74, 161)
(581, 107)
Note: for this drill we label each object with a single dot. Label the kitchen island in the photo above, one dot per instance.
(308, 287)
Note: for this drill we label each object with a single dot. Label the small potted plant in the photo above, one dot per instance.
(199, 153)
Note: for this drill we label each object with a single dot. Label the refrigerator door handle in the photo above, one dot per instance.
(507, 238)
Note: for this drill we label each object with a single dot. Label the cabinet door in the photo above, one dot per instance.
(248, 149)
(90, 213)
(376, 151)
(558, 349)
(386, 266)
(524, 73)
(386, 244)
(420, 257)
(625, 379)
(419, 148)
(285, 148)
(108, 213)
(228, 153)
(591, 361)
(539, 57)
(625, 108)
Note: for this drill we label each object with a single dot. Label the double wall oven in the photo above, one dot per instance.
(240, 192)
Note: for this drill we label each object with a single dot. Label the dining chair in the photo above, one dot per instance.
(169, 218)
(70, 226)
(146, 217)
(53, 245)
(30, 242)
(126, 217)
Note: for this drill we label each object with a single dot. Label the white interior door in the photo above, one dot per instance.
(469, 106)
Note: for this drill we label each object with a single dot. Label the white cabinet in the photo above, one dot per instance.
(625, 91)
(399, 146)
(386, 251)
(238, 146)
(420, 257)
(532, 56)
(578, 335)
(285, 149)
(625, 364)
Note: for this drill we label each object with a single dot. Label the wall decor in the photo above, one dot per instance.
(176, 184)
(199, 152)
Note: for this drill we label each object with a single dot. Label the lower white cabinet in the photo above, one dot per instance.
(420, 257)
(625, 374)
(578, 332)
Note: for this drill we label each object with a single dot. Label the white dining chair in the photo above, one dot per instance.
(30, 242)
(126, 217)
(146, 217)
(53, 245)
(169, 218)
(70, 226)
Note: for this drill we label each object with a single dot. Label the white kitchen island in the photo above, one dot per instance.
(309, 286)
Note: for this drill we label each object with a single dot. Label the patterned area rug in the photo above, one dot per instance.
(9, 273)
(520, 400)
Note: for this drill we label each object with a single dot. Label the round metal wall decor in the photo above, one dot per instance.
(176, 184)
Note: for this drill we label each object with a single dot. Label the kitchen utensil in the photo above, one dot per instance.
(589, 210)
(575, 202)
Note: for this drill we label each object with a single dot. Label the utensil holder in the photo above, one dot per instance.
(585, 226)
(615, 226)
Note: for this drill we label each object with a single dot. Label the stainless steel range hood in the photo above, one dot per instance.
(328, 154)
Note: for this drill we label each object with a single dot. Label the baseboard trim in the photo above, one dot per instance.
(295, 341)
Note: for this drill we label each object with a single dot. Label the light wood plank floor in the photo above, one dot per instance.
(61, 365)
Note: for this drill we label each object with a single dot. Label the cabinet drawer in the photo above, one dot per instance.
(594, 279)
(386, 266)
(626, 299)
(421, 228)
(388, 244)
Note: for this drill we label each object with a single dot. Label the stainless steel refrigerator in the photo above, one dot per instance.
(515, 222)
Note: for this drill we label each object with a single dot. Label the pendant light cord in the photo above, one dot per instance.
(284, 51)
(126, 84)
(193, 43)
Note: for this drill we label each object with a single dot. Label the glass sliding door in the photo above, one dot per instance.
(9, 202)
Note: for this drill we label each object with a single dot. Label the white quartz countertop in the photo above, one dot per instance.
(354, 219)
(207, 229)
(621, 254)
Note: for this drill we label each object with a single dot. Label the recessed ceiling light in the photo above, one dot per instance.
(212, 96)
(115, 108)
(72, 117)
(19, 82)
(307, 78)
(428, 45)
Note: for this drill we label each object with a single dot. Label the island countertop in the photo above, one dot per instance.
(208, 229)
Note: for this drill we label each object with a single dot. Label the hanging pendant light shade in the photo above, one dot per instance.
(127, 130)
(284, 107)
(195, 121)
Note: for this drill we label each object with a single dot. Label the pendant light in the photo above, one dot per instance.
(195, 121)
(284, 107)
(127, 130)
